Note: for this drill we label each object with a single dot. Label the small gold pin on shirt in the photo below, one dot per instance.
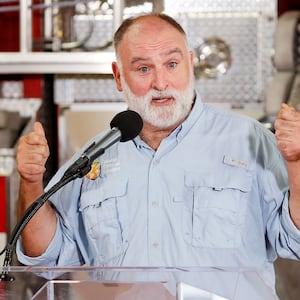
(94, 172)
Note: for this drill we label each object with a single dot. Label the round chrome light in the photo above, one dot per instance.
(212, 58)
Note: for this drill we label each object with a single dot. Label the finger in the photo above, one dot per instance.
(38, 128)
(36, 137)
(288, 112)
(286, 106)
(284, 138)
(283, 127)
(27, 169)
(289, 150)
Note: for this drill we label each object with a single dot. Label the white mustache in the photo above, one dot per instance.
(161, 94)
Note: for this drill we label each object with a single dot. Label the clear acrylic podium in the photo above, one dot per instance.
(155, 283)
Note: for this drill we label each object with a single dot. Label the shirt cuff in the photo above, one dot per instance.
(48, 258)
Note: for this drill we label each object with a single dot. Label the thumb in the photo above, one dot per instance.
(38, 128)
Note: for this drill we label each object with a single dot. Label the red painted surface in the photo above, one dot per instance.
(9, 42)
(9, 33)
(284, 5)
(32, 86)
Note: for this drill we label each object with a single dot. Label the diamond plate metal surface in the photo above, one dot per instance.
(214, 6)
(102, 32)
(70, 89)
(251, 53)
(247, 26)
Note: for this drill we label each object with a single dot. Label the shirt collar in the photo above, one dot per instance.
(188, 123)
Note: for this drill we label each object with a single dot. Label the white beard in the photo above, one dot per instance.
(161, 116)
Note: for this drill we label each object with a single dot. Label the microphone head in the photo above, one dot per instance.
(129, 123)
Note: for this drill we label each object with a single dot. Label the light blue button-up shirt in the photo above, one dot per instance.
(215, 193)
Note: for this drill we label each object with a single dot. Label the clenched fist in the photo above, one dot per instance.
(287, 132)
(32, 154)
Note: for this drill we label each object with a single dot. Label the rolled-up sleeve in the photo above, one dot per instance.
(48, 258)
(288, 225)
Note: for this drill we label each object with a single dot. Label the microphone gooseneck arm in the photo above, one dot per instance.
(83, 163)
(125, 126)
(70, 175)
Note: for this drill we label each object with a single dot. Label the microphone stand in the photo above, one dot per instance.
(120, 131)
(77, 170)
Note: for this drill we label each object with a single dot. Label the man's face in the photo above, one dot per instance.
(156, 73)
(165, 115)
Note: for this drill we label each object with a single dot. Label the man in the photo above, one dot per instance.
(197, 187)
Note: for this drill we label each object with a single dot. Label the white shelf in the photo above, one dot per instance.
(56, 62)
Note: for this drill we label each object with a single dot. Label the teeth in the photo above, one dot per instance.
(160, 99)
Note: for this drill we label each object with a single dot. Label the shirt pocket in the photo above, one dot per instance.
(214, 208)
(105, 217)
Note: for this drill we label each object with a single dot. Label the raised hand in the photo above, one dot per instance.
(32, 154)
(287, 132)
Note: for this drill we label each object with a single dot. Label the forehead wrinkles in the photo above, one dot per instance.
(160, 55)
(148, 48)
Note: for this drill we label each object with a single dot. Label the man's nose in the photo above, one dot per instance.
(159, 80)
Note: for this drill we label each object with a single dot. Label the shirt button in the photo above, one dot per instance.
(155, 244)
(156, 162)
(155, 204)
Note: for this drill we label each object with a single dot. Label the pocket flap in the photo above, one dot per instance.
(109, 188)
(220, 179)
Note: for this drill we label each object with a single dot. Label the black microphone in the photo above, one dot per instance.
(125, 126)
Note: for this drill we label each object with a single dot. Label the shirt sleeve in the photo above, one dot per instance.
(48, 258)
(62, 250)
(287, 222)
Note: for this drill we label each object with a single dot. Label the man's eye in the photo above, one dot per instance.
(143, 69)
(172, 64)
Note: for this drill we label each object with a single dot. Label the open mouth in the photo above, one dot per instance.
(162, 100)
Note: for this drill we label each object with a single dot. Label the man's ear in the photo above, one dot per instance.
(192, 58)
(117, 75)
